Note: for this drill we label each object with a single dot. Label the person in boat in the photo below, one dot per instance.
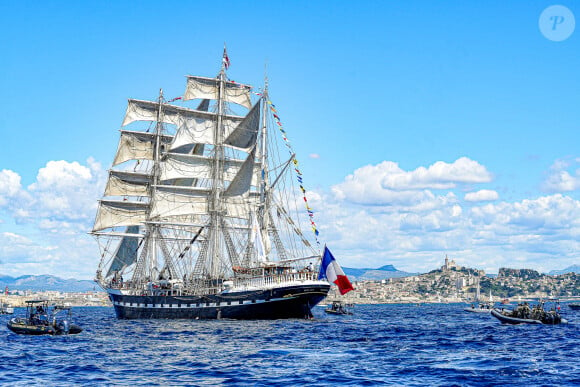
(39, 317)
(34, 320)
(309, 268)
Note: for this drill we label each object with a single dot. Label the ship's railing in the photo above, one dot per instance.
(275, 279)
(146, 288)
(166, 288)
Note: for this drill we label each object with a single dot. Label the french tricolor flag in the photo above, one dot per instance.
(331, 270)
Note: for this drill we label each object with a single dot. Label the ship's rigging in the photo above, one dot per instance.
(200, 196)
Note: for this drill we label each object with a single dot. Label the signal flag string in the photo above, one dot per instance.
(296, 168)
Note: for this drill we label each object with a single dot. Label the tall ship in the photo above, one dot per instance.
(203, 212)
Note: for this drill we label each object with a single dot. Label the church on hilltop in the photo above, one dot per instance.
(449, 264)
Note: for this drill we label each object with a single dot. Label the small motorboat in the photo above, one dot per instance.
(338, 307)
(6, 309)
(42, 319)
(574, 306)
(479, 307)
(524, 314)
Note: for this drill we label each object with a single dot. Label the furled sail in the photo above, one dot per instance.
(119, 213)
(122, 183)
(245, 134)
(126, 253)
(137, 146)
(208, 88)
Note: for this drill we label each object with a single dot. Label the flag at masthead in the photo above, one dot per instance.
(226, 59)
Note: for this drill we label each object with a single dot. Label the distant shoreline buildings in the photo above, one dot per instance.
(19, 298)
(450, 283)
(455, 283)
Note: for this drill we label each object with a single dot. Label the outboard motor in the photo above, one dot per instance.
(64, 326)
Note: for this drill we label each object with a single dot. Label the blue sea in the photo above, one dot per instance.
(401, 345)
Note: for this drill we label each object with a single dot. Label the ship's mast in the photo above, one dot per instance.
(264, 159)
(217, 188)
(151, 228)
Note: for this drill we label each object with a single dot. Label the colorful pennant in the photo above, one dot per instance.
(296, 169)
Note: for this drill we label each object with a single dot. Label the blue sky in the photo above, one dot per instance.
(422, 128)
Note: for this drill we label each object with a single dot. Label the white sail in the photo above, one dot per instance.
(137, 146)
(200, 131)
(141, 110)
(178, 166)
(169, 202)
(208, 88)
(126, 253)
(123, 183)
(241, 207)
(119, 213)
(245, 134)
(172, 202)
(243, 180)
(256, 238)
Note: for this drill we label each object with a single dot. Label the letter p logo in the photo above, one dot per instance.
(557, 23)
(557, 20)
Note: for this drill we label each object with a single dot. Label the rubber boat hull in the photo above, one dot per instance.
(513, 320)
(20, 327)
(338, 313)
(477, 310)
(277, 303)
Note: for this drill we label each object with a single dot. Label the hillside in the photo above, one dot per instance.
(383, 272)
(45, 283)
(569, 269)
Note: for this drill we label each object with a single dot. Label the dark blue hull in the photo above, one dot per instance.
(278, 303)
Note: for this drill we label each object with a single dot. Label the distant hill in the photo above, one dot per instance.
(569, 269)
(383, 272)
(45, 283)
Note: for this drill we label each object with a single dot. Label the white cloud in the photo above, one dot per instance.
(484, 195)
(52, 216)
(73, 256)
(314, 156)
(440, 175)
(541, 233)
(63, 193)
(9, 186)
(388, 184)
(561, 176)
(60, 175)
(364, 187)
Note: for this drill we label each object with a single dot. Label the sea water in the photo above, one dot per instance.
(408, 345)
